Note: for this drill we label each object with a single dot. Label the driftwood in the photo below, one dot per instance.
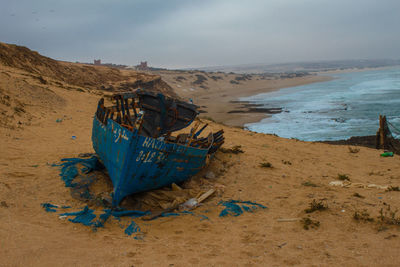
(197, 201)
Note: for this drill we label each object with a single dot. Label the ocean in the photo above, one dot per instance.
(349, 105)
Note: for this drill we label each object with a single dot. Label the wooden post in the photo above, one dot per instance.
(381, 133)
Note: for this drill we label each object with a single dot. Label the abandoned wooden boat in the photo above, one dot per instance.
(133, 140)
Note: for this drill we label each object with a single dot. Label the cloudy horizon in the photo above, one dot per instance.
(184, 34)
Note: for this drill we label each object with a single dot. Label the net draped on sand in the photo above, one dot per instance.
(80, 175)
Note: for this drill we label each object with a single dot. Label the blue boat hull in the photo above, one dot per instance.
(136, 163)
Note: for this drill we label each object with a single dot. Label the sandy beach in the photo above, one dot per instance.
(355, 224)
(218, 96)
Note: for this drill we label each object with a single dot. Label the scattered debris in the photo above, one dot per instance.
(314, 206)
(194, 202)
(188, 205)
(3, 204)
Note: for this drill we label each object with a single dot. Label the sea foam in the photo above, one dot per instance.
(346, 106)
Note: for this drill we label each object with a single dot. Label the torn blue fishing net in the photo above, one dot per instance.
(88, 218)
(236, 207)
(84, 216)
(49, 207)
(72, 168)
(52, 208)
(132, 228)
(69, 168)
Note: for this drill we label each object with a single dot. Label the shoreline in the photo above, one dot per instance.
(218, 94)
(258, 114)
(233, 112)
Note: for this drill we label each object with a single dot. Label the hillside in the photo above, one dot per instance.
(28, 79)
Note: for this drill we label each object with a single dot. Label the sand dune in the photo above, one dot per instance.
(298, 173)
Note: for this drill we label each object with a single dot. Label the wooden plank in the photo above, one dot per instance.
(205, 195)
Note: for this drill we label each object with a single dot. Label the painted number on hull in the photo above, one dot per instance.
(150, 156)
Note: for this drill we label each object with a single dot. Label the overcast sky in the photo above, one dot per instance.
(184, 33)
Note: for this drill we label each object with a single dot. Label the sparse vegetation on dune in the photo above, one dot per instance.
(316, 206)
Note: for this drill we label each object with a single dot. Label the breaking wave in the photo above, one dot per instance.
(347, 106)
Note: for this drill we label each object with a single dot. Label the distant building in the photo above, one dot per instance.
(142, 66)
(97, 62)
